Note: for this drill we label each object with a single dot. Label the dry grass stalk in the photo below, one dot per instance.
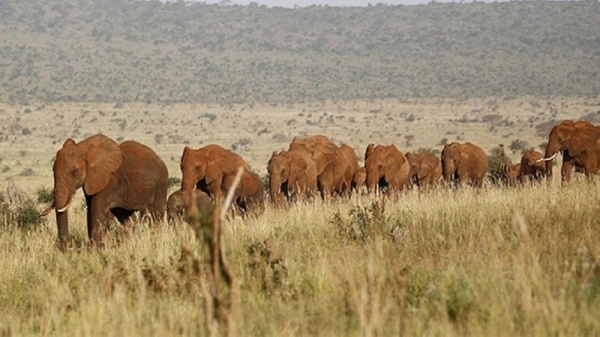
(219, 266)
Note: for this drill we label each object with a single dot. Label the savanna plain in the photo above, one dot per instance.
(492, 262)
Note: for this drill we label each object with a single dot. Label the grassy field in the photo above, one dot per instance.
(500, 261)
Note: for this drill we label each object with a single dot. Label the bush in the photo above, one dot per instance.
(497, 160)
(518, 145)
(45, 195)
(27, 216)
(365, 223)
(28, 172)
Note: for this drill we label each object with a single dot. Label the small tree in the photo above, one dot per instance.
(518, 145)
(497, 161)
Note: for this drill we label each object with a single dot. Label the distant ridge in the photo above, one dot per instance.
(150, 51)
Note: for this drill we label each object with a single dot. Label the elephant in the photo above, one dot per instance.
(205, 169)
(579, 144)
(176, 204)
(512, 173)
(386, 167)
(249, 196)
(116, 179)
(291, 174)
(320, 148)
(336, 177)
(425, 168)
(532, 167)
(359, 179)
(465, 163)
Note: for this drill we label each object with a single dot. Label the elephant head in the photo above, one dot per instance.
(89, 164)
(176, 204)
(205, 168)
(512, 173)
(425, 168)
(291, 172)
(359, 179)
(451, 158)
(386, 166)
(571, 138)
(532, 165)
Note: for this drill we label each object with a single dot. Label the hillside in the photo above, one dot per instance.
(149, 51)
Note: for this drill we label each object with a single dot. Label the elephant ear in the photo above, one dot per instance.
(69, 142)
(103, 158)
(298, 166)
(424, 169)
(222, 165)
(370, 148)
(579, 142)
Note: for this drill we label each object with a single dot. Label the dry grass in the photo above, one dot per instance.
(496, 262)
(520, 261)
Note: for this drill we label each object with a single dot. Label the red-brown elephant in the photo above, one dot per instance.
(176, 206)
(425, 168)
(579, 144)
(359, 179)
(205, 169)
(249, 195)
(387, 168)
(116, 180)
(532, 166)
(320, 148)
(336, 177)
(291, 174)
(465, 163)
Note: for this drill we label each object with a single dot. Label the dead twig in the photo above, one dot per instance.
(209, 229)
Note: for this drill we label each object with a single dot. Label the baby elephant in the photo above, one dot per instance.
(176, 204)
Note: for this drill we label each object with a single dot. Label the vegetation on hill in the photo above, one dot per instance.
(150, 51)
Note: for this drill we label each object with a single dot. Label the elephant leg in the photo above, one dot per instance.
(565, 171)
(97, 214)
(158, 209)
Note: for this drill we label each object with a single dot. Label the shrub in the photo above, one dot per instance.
(365, 223)
(211, 117)
(497, 160)
(27, 216)
(45, 195)
(28, 172)
(518, 145)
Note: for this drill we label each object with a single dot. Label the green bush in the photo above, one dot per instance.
(27, 216)
(365, 223)
(497, 161)
(45, 195)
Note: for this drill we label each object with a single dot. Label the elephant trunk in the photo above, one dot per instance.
(188, 185)
(552, 149)
(372, 179)
(62, 201)
(275, 190)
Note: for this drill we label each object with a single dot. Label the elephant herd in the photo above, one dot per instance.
(119, 179)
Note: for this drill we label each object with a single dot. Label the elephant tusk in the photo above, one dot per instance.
(547, 159)
(64, 208)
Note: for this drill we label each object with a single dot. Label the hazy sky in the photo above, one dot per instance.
(302, 3)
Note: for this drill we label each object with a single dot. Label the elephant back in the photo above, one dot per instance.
(321, 149)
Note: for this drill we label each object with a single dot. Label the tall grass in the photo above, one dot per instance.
(521, 261)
